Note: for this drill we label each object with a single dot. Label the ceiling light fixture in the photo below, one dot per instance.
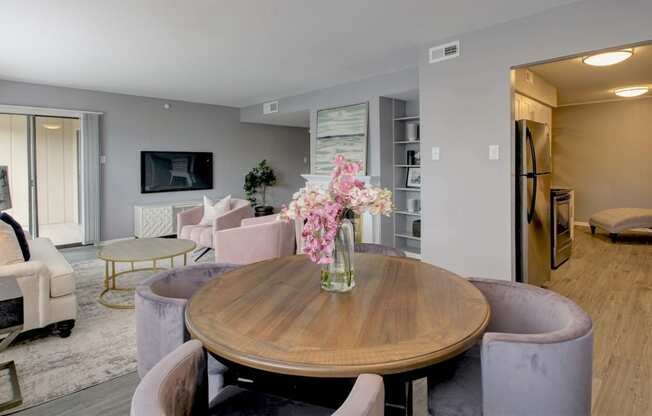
(52, 126)
(608, 58)
(631, 91)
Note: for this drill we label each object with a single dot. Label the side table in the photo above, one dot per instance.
(11, 324)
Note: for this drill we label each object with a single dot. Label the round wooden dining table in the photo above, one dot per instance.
(402, 317)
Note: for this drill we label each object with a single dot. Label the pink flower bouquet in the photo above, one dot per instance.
(324, 209)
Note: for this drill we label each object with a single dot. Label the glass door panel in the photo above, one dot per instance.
(57, 184)
(14, 153)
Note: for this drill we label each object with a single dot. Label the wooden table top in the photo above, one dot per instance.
(401, 316)
(145, 249)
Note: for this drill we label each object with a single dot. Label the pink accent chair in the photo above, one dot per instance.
(257, 239)
(188, 226)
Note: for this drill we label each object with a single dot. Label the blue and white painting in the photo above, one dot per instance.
(341, 130)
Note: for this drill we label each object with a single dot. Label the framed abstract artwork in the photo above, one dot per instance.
(413, 178)
(341, 130)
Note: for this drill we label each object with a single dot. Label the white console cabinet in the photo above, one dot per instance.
(159, 220)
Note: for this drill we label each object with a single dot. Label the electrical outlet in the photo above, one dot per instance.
(435, 153)
(494, 152)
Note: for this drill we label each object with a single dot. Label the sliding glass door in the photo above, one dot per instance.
(42, 154)
(14, 153)
(57, 179)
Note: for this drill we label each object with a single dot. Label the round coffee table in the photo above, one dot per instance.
(138, 250)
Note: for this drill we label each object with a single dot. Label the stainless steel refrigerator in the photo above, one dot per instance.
(533, 180)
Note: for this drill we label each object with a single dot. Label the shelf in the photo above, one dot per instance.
(412, 254)
(408, 142)
(408, 189)
(409, 237)
(406, 118)
(415, 213)
(407, 166)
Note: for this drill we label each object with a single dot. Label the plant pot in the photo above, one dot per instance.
(262, 210)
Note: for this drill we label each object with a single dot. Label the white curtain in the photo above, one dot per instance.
(90, 178)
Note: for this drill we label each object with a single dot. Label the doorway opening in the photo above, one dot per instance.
(599, 111)
(43, 159)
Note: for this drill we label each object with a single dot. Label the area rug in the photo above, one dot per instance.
(102, 345)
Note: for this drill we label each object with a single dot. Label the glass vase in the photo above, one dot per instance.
(339, 276)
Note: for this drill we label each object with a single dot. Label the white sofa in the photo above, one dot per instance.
(48, 286)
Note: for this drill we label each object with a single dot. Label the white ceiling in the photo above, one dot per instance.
(578, 83)
(231, 52)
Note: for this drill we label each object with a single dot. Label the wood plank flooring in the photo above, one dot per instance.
(613, 283)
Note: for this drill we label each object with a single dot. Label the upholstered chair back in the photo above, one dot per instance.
(176, 386)
(524, 309)
(378, 249)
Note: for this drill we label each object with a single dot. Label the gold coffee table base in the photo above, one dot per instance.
(138, 251)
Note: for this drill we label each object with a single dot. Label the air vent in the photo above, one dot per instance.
(529, 76)
(270, 107)
(444, 52)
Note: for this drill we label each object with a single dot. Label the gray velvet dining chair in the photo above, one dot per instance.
(177, 386)
(378, 249)
(535, 358)
(160, 322)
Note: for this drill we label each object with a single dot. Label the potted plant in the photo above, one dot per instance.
(256, 183)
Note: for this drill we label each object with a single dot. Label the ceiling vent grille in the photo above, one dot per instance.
(444, 52)
(270, 107)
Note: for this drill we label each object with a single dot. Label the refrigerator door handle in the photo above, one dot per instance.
(532, 175)
(533, 200)
(533, 153)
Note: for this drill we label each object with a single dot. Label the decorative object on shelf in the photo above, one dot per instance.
(416, 228)
(5, 196)
(413, 204)
(341, 131)
(256, 182)
(328, 232)
(413, 178)
(413, 157)
(412, 131)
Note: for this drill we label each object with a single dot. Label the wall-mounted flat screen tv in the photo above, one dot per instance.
(175, 171)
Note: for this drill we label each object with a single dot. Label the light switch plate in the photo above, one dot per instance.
(494, 152)
(102, 159)
(435, 153)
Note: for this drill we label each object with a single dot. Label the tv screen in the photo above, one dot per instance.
(175, 171)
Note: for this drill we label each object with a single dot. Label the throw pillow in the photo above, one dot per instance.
(213, 209)
(20, 234)
(9, 248)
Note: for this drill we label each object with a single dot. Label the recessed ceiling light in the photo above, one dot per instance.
(607, 58)
(52, 126)
(631, 91)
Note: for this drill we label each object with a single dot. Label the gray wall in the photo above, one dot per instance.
(372, 90)
(368, 90)
(466, 106)
(603, 152)
(131, 124)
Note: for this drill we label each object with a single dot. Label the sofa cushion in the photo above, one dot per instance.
(213, 209)
(62, 280)
(200, 234)
(10, 252)
(20, 234)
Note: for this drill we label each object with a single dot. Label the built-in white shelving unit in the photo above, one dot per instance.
(404, 219)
